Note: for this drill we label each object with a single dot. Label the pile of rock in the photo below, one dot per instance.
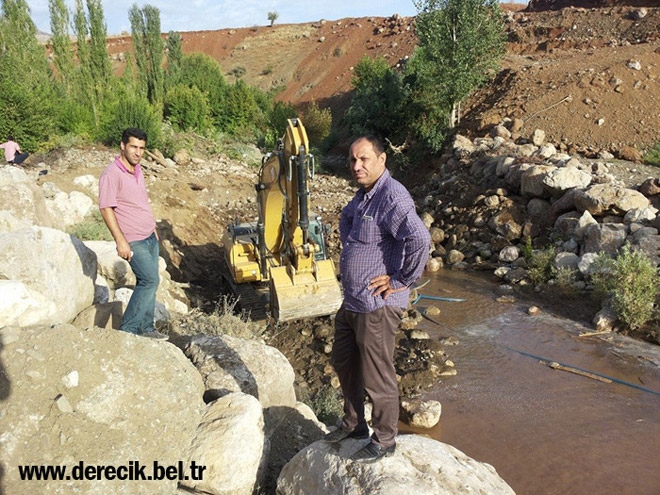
(493, 195)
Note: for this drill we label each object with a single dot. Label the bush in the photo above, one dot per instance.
(204, 72)
(631, 281)
(528, 248)
(317, 122)
(129, 111)
(223, 321)
(541, 265)
(379, 101)
(27, 113)
(565, 279)
(187, 108)
(652, 155)
(240, 110)
(75, 118)
(328, 405)
(278, 116)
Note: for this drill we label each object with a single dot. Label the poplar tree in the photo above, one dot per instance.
(149, 47)
(99, 60)
(174, 50)
(94, 74)
(61, 44)
(85, 82)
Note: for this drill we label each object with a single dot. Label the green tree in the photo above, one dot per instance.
(85, 81)
(379, 100)
(94, 70)
(174, 51)
(205, 73)
(278, 115)
(460, 45)
(240, 109)
(26, 94)
(99, 60)
(149, 46)
(61, 44)
(187, 109)
(272, 17)
(317, 122)
(129, 110)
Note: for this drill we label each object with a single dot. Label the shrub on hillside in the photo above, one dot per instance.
(91, 228)
(652, 155)
(317, 122)
(327, 404)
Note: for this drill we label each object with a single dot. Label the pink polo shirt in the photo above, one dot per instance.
(10, 150)
(126, 193)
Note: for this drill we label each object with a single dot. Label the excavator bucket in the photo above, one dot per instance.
(304, 295)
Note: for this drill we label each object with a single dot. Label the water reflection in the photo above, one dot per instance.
(546, 431)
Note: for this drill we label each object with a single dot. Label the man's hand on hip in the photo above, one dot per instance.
(381, 285)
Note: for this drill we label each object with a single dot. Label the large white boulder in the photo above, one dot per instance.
(420, 465)
(115, 270)
(97, 397)
(70, 208)
(23, 199)
(229, 443)
(237, 365)
(48, 277)
(601, 199)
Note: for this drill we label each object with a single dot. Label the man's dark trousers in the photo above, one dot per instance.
(363, 357)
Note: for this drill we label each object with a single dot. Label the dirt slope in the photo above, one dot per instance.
(311, 61)
(588, 76)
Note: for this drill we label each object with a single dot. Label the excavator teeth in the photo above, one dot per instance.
(304, 295)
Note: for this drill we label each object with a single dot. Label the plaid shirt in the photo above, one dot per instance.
(381, 234)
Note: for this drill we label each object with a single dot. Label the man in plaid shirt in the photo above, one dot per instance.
(385, 246)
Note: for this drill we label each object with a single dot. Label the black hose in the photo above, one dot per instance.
(616, 380)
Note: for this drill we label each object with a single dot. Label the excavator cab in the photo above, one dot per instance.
(286, 245)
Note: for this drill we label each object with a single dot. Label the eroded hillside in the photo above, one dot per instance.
(587, 76)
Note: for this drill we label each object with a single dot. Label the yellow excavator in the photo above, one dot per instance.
(286, 246)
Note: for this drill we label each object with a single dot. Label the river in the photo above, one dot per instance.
(546, 431)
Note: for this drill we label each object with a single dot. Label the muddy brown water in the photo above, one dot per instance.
(545, 431)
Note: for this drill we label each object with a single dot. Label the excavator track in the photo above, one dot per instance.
(252, 298)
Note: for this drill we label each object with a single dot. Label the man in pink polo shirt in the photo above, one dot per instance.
(124, 204)
(13, 153)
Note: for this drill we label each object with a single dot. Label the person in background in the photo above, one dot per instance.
(124, 205)
(385, 246)
(13, 153)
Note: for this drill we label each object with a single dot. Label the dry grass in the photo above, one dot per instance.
(223, 321)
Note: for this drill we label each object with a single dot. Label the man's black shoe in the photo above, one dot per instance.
(372, 452)
(341, 434)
